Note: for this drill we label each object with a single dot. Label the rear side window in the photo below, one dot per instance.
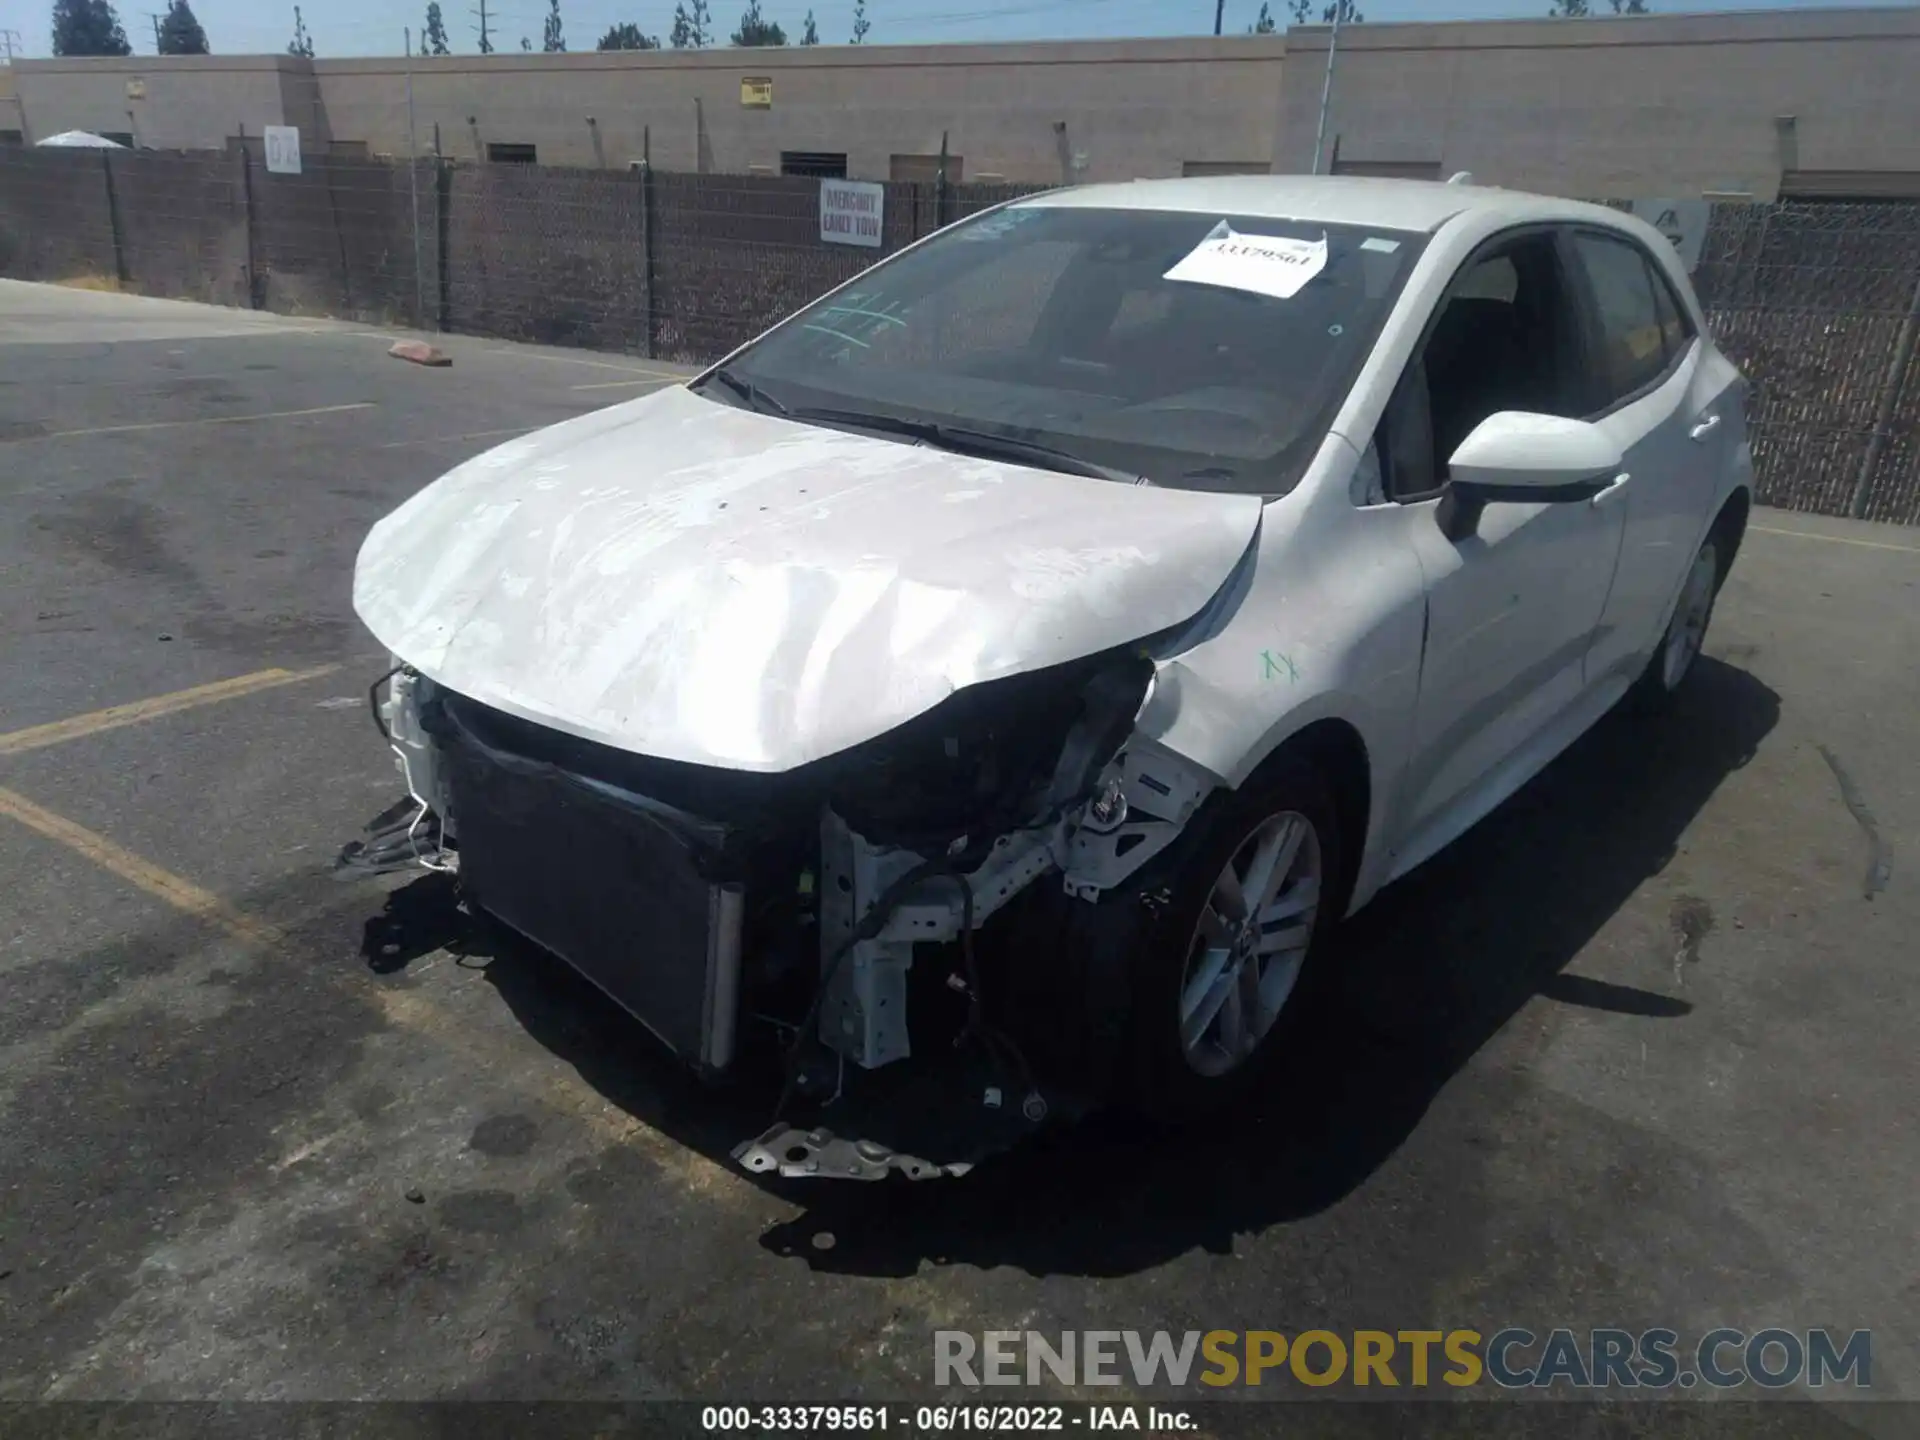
(1634, 336)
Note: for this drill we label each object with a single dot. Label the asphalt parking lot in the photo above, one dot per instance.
(1638, 1051)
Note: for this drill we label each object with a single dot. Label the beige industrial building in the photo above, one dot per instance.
(1748, 104)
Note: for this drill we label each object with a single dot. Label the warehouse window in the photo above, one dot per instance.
(501, 154)
(119, 137)
(821, 164)
(12, 137)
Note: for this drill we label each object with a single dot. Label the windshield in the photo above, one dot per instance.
(1198, 351)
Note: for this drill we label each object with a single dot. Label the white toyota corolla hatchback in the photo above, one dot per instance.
(979, 695)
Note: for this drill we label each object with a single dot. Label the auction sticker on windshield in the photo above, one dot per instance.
(1273, 265)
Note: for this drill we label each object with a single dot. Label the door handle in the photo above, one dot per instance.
(1704, 428)
(1616, 487)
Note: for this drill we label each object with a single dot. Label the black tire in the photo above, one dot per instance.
(1657, 687)
(1158, 1079)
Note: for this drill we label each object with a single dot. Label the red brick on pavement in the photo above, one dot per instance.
(419, 352)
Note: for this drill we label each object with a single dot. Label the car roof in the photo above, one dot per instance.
(1420, 206)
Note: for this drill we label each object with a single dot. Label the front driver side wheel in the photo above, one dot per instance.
(1220, 969)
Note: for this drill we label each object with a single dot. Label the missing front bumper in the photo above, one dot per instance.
(652, 904)
(611, 883)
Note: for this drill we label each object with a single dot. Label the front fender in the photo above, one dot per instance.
(1332, 627)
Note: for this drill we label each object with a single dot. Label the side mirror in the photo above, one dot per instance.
(1523, 458)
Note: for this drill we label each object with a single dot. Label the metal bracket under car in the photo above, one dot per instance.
(950, 1109)
(1143, 800)
(797, 1154)
(864, 1015)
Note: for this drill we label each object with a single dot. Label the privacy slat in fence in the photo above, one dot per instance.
(1810, 299)
(733, 254)
(549, 255)
(201, 253)
(55, 221)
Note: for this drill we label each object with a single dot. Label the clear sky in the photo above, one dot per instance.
(372, 27)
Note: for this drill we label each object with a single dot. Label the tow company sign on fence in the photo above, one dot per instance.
(852, 212)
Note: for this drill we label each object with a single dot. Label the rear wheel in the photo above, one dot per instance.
(1220, 968)
(1673, 660)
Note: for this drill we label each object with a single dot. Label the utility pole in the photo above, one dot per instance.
(413, 186)
(156, 31)
(9, 39)
(1219, 14)
(1326, 87)
(486, 46)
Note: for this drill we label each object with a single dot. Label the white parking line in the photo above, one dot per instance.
(583, 360)
(628, 384)
(449, 439)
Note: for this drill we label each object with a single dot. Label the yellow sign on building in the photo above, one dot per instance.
(756, 92)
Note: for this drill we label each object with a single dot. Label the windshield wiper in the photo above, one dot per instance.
(755, 397)
(980, 443)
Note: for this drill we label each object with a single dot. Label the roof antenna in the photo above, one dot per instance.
(1460, 177)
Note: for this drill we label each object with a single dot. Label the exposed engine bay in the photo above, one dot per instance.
(895, 938)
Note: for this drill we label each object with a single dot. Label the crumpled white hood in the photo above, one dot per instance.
(679, 578)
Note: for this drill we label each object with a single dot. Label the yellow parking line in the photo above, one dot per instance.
(181, 894)
(114, 716)
(1838, 539)
(200, 420)
(562, 1092)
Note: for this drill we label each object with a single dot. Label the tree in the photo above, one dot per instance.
(551, 40)
(526, 44)
(87, 27)
(302, 43)
(756, 30)
(1264, 25)
(180, 32)
(1302, 11)
(860, 22)
(626, 36)
(433, 39)
(690, 25)
(1582, 9)
(810, 35)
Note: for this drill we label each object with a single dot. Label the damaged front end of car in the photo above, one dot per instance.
(863, 936)
(808, 747)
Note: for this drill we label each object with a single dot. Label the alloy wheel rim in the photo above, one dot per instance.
(1244, 957)
(1690, 619)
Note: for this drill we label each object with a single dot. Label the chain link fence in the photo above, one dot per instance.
(1817, 302)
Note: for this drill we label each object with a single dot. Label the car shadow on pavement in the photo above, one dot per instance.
(1417, 983)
